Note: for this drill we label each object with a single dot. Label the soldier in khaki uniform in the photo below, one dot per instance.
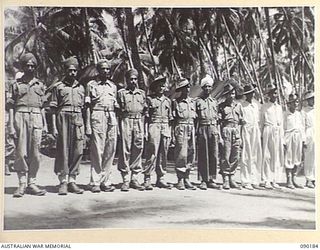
(132, 102)
(184, 112)
(101, 97)
(26, 122)
(68, 125)
(208, 136)
(159, 134)
(231, 119)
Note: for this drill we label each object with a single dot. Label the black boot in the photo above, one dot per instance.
(289, 178)
(226, 184)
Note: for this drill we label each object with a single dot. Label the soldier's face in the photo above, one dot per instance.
(232, 94)
(207, 89)
(249, 96)
(72, 71)
(29, 68)
(133, 80)
(161, 88)
(273, 95)
(104, 70)
(311, 102)
(294, 105)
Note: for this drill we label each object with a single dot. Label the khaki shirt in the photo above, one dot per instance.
(26, 94)
(159, 109)
(184, 110)
(102, 95)
(232, 114)
(207, 110)
(65, 95)
(132, 103)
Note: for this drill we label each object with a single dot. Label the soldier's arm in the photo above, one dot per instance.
(10, 103)
(44, 120)
(53, 105)
(87, 103)
(43, 113)
(147, 118)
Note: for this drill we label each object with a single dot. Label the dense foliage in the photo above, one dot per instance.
(254, 45)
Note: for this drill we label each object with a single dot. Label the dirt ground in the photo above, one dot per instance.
(261, 209)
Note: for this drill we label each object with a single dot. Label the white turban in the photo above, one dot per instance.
(206, 81)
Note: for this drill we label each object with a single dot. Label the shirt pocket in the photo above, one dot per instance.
(39, 93)
(182, 111)
(203, 112)
(22, 89)
(140, 103)
(192, 112)
(79, 97)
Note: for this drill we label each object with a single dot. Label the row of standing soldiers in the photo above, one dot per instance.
(229, 128)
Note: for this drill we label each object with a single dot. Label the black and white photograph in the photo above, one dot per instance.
(159, 118)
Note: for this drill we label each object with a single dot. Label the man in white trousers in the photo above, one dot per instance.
(251, 157)
(309, 154)
(272, 140)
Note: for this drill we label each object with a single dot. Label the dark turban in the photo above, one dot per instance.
(71, 61)
(131, 72)
(102, 61)
(24, 59)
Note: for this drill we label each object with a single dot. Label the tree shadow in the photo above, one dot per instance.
(275, 223)
(280, 195)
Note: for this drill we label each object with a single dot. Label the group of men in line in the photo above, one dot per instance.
(227, 134)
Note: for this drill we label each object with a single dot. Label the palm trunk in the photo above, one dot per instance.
(207, 52)
(134, 47)
(237, 50)
(253, 69)
(125, 43)
(196, 22)
(272, 51)
(264, 48)
(303, 78)
(92, 57)
(225, 56)
(214, 52)
(148, 43)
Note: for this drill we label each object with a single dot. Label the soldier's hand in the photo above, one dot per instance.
(12, 132)
(285, 147)
(172, 143)
(88, 131)
(242, 122)
(146, 136)
(45, 129)
(54, 132)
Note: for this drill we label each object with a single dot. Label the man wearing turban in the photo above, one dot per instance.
(26, 122)
(67, 101)
(208, 135)
(132, 102)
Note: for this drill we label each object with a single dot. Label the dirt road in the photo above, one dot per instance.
(285, 209)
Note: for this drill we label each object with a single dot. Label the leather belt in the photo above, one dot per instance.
(24, 109)
(132, 116)
(70, 109)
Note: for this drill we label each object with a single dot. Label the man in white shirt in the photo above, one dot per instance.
(251, 157)
(309, 154)
(272, 140)
(294, 139)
